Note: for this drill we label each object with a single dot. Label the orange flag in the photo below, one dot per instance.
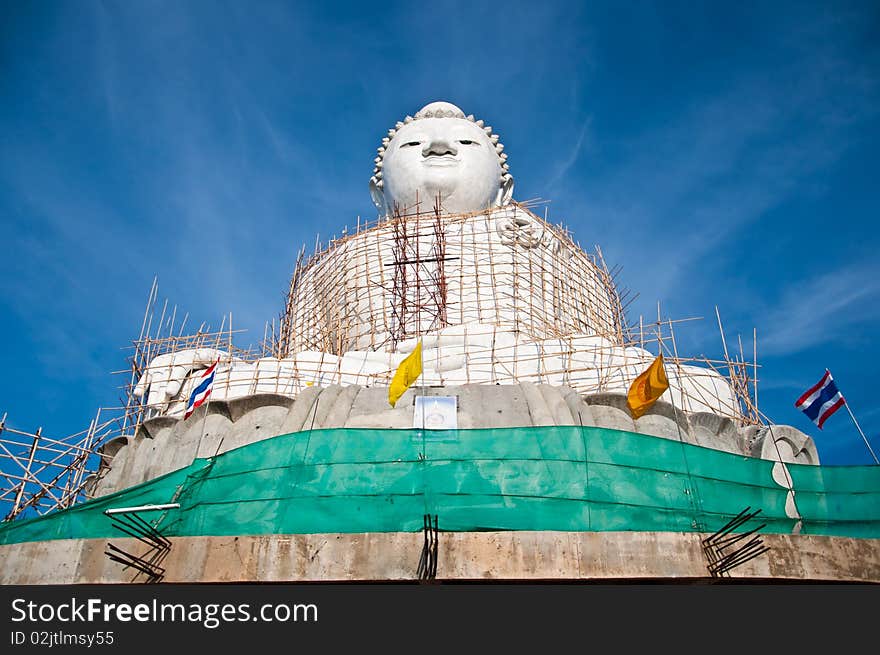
(647, 388)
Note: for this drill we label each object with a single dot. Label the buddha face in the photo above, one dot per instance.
(450, 157)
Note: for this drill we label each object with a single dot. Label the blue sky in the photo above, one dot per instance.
(721, 153)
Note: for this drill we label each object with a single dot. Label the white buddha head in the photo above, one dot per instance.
(440, 151)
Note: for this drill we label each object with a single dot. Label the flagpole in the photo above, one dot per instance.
(859, 428)
(422, 367)
(208, 402)
(205, 418)
(692, 492)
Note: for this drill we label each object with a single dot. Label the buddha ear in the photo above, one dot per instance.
(505, 192)
(378, 197)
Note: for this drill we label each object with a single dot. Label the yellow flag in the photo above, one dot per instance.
(408, 372)
(647, 388)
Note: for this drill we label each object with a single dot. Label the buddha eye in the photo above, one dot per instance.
(466, 142)
(410, 143)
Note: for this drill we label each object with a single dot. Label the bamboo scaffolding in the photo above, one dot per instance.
(544, 286)
(46, 473)
(43, 473)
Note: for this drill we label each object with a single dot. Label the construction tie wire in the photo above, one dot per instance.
(427, 569)
(724, 549)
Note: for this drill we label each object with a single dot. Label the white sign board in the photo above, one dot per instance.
(436, 413)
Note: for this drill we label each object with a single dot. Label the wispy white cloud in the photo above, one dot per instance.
(564, 166)
(687, 190)
(822, 309)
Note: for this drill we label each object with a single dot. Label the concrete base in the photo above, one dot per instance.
(666, 556)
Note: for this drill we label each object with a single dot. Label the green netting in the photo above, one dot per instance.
(539, 478)
(838, 501)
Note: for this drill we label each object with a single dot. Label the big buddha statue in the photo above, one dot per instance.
(495, 294)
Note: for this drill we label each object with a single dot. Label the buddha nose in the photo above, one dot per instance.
(439, 147)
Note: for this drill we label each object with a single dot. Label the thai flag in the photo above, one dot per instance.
(201, 392)
(821, 400)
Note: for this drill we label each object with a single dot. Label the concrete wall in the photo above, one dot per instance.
(461, 556)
